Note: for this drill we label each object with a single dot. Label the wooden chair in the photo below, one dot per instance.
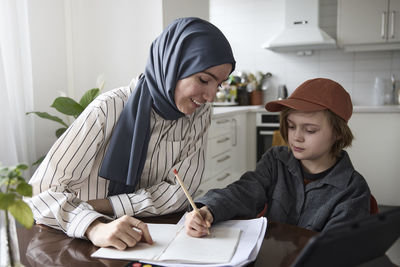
(373, 205)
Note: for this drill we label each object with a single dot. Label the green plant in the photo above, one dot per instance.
(69, 107)
(13, 188)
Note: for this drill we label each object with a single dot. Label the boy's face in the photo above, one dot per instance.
(310, 137)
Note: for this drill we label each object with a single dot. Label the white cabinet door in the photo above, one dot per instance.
(375, 153)
(362, 21)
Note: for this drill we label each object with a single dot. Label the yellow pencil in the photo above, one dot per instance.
(188, 195)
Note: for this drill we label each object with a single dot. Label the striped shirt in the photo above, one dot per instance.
(68, 176)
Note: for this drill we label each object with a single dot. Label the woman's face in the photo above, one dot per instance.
(199, 88)
(311, 137)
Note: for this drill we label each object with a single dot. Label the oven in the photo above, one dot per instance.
(266, 123)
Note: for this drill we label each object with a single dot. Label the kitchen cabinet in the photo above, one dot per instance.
(375, 153)
(368, 24)
(225, 157)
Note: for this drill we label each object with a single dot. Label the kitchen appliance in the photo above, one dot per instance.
(301, 31)
(266, 123)
(282, 92)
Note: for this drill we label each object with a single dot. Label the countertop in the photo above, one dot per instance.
(231, 110)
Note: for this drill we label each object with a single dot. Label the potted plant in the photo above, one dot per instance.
(13, 188)
(68, 107)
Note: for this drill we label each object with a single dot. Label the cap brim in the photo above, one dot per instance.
(293, 103)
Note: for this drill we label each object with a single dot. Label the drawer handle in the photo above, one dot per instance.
(223, 159)
(266, 132)
(223, 177)
(223, 140)
(222, 121)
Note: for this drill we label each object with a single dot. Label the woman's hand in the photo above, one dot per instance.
(196, 225)
(122, 233)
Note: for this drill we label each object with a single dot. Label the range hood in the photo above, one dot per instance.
(301, 31)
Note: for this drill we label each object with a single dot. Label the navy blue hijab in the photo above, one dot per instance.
(187, 46)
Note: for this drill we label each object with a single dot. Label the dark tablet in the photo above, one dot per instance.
(352, 243)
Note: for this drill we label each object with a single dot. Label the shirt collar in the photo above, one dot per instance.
(338, 177)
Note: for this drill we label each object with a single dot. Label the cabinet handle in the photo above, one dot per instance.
(226, 175)
(392, 24)
(383, 24)
(223, 140)
(222, 121)
(235, 129)
(266, 132)
(223, 159)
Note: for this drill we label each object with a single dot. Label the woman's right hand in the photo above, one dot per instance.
(196, 225)
(121, 233)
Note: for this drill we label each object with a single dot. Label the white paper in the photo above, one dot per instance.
(172, 244)
(162, 235)
(251, 238)
(218, 247)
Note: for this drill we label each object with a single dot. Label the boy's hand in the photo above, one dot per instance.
(196, 225)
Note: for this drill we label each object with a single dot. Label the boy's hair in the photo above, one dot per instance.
(340, 129)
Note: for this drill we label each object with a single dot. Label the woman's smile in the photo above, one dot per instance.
(198, 104)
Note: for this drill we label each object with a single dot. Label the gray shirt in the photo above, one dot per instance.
(342, 195)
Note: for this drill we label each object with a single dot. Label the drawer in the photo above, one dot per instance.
(218, 163)
(220, 126)
(219, 144)
(220, 180)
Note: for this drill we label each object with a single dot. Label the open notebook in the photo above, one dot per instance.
(172, 244)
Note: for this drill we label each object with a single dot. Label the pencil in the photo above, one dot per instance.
(188, 195)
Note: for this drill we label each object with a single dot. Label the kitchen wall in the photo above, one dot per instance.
(248, 24)
(73, 42)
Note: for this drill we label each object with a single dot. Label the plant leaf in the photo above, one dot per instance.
(6, 200)
(47, 116)
(60, 131)
(22, 213)
(24, 189)
(38, 161)
(67, 106)
(22, 166)
(89, 96)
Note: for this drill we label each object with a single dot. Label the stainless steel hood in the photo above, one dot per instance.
(301, 31)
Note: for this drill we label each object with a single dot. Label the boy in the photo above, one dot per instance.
(310, 183)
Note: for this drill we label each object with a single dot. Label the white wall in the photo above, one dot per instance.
(74, 41)
(173, 9)
(248, 24)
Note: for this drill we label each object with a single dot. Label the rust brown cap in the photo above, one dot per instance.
(317, 94)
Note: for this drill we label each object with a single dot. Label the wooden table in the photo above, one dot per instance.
(44, 246)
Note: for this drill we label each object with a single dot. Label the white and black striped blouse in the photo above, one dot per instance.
(68, 176)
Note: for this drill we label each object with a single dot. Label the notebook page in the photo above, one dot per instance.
(219, 247)
(162, 235)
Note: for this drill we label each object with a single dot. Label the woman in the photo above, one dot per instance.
(117, 156)
(312, 182)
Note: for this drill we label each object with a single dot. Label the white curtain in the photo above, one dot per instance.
(16, 92)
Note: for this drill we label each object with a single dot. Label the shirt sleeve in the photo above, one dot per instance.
(167, 196)
(244, 198)
(62, 175)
